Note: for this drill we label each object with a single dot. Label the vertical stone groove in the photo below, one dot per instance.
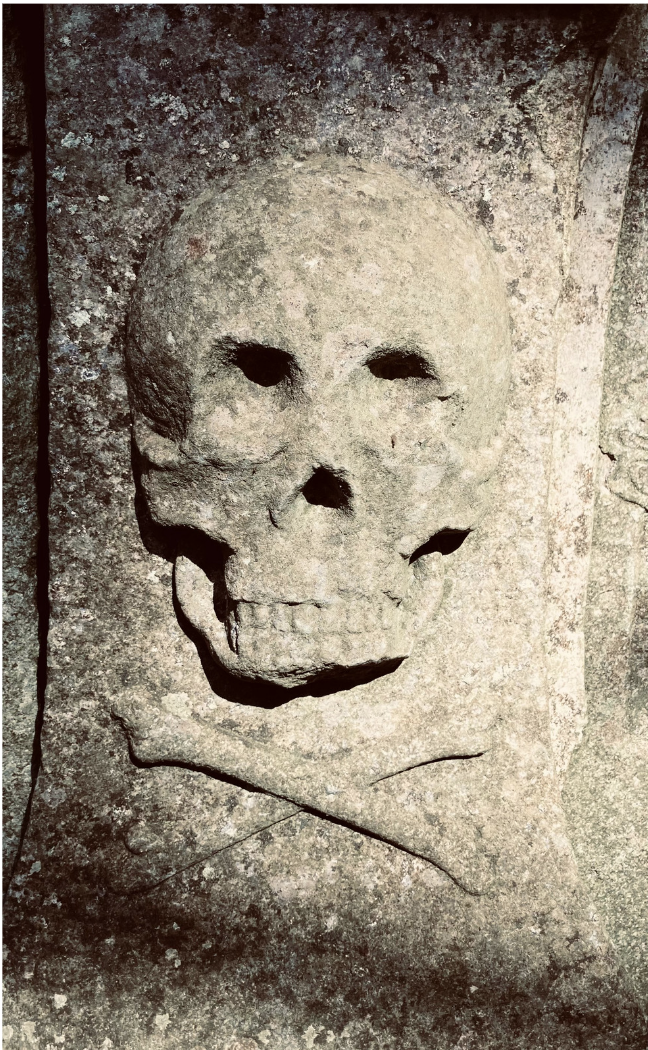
(30, 23)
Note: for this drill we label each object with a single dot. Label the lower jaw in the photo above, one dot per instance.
(291, 660)
(350, 641)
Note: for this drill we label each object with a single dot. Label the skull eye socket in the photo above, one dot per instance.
(400, 364)
(263, 365)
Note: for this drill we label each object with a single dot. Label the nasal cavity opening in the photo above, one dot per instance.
(326, 489)
(447, 541)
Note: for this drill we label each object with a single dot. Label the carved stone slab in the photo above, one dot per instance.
(290, 249)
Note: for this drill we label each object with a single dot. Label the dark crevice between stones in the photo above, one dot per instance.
(29, 21)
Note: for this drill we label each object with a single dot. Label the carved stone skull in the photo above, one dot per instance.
(318, 361)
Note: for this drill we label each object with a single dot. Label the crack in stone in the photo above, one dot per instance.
(30, 23)
(140, 891)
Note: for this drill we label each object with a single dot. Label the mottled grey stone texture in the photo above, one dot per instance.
(20, 444)
(209, 869)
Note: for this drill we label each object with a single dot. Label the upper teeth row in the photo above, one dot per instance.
(354, 616)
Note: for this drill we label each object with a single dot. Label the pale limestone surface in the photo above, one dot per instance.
(204, 870)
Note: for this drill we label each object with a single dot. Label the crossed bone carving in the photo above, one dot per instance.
(341, 791)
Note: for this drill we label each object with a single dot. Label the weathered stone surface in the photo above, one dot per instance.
(202, 869)
(606, 151)
(20, 448)
(607, 792)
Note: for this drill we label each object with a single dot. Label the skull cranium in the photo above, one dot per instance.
(318, 361)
